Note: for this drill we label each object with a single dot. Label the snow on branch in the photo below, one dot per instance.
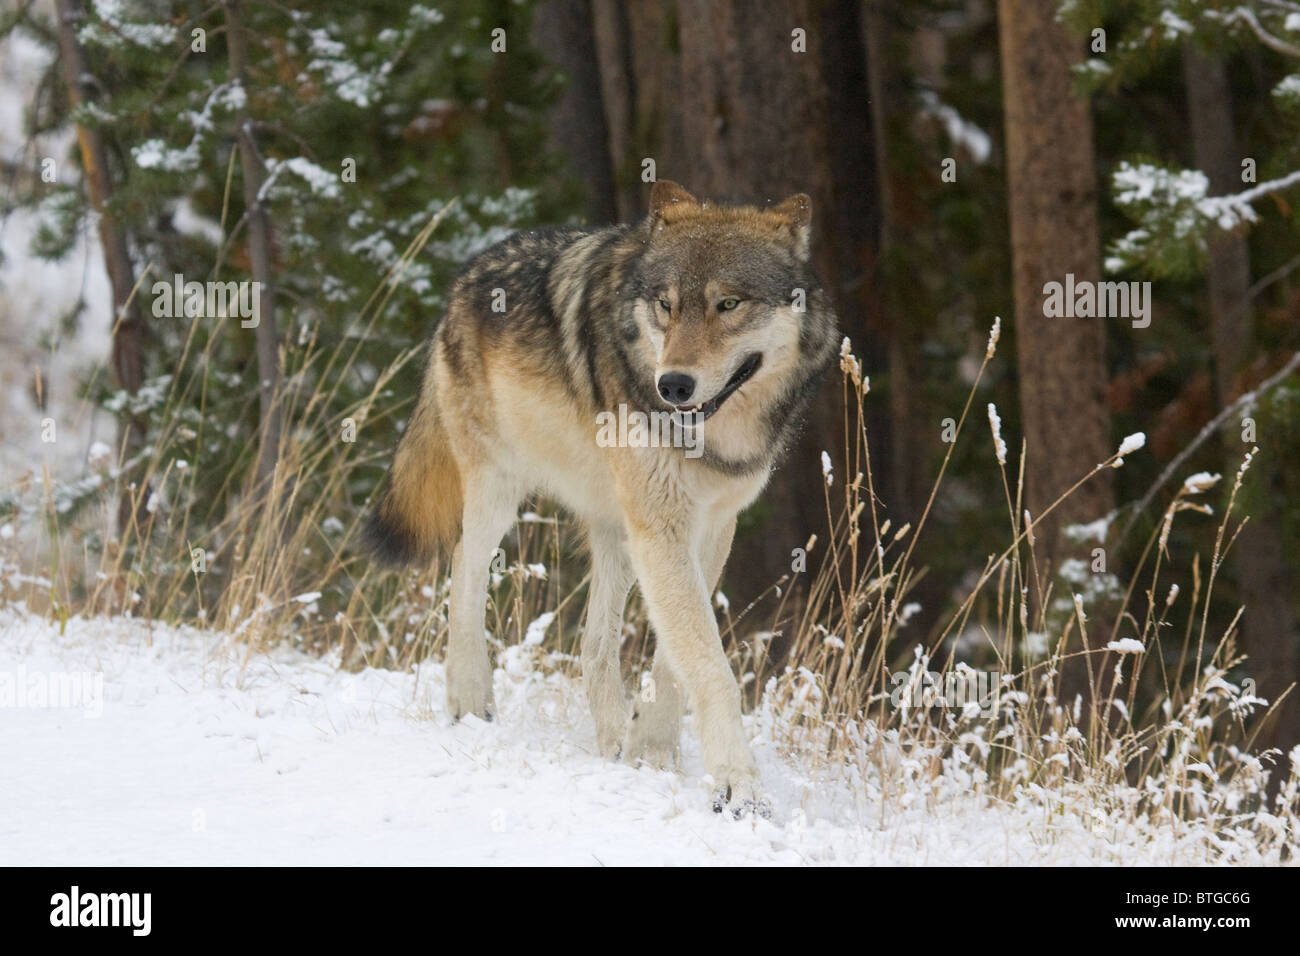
(1175, 216)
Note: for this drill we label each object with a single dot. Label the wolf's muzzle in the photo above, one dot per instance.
(738, 378)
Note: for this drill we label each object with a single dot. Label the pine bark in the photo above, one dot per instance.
(563, 32)
(1053, 201)
(1060, 361)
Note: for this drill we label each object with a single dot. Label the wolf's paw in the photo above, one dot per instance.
(653, 738)
(662, 752)
(739, 798)
(609, 741)
(470, 694)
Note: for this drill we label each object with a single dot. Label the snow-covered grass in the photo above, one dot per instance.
(196, 751)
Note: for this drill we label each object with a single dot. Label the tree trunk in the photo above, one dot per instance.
(1268, 625)
(903, 332)
(259, 253)
(658, 127)
(563, 32)
(618, 95)
(128, 330)
(853, 226)
(641, 88)
(1061, 361)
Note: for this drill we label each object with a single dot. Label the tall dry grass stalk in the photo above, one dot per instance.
(1186, 754)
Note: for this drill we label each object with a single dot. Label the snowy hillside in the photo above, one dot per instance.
(196, 753)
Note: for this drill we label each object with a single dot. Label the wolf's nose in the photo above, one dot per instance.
(676, 388)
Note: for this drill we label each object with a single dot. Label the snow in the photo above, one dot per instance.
(1146, 182)
(994, 334)
(189, 222)
(1127, 645)
(851, 367)
(1177, 202)
(536, 632)
(1201, 481)
(1287, 92)
(1093, 530)
(1229, 212)
(194, 750)
(100, 455)
(995, 423)
(350, 82)
(1175, 26)
(150, 36)
(962, 132)
(320, 181)
(1132, 443)
(36, 296)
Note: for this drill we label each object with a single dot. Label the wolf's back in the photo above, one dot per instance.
(421, 499)
(421, 502)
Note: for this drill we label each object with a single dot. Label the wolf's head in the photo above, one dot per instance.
(724, 299)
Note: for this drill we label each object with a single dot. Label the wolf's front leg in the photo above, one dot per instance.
(654, 736)
(676, 592)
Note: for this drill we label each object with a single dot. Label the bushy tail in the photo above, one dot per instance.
(421, 500)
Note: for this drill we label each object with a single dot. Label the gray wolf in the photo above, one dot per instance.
(709, 314)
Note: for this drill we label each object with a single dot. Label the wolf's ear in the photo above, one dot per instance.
(797, 210)
(667, 193)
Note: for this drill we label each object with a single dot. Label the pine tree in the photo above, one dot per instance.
(308, 157)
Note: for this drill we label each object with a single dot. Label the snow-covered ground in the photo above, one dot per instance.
(193, 751)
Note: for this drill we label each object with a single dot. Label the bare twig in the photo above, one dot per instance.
(1245, 401)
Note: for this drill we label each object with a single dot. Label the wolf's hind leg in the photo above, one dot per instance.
(654, 736)
(490, 508)
(611, 579)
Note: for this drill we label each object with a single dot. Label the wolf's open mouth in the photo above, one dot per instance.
(742, 375)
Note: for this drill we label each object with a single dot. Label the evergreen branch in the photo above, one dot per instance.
(1247, 400)
(1269, 40)
(1241, 205)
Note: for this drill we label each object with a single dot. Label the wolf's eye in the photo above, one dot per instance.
(727, 304)
(665, 305)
